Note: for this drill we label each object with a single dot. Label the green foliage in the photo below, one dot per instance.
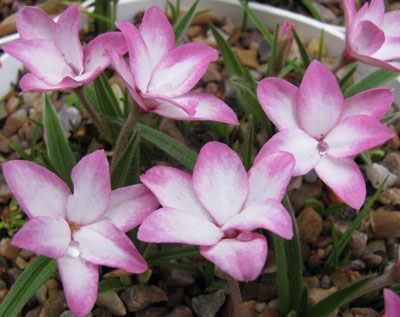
(13, 220)
(303, 51)
(181, 26)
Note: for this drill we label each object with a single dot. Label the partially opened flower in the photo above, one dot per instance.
(372, 36)
(220, 205)
(160, 76)
(285, 40)
(53, 51)
(81, 230)
(323, 130)
(392, 303)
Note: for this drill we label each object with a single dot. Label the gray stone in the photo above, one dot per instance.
(140, 296)
(208, 305)
(377, 173)
(111, 301)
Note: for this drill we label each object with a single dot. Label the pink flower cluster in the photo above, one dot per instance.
(220, 205)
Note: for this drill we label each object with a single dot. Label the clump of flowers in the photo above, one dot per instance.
(81, 230)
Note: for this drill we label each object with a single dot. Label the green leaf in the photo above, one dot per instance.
(174, 254)
(303, 304)
(109, 106)
(169, 145)
(248, 144)
(344, 240)
(181, 26)
(312, 9)
(328, 305)
(20, 151)
(177, 266)
(58, 148)
(321, 45)
(34, 276)
(112, 284)
(127, 170)
(333, 209)
(221, 130)
(103, 9)
(376, 79)
(248, 103)
(257, 21)
(289, 262)
(390, 118)
(348, 79)
(274, 49)
(302, 49)
(35, 135)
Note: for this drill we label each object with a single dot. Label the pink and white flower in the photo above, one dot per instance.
(53, 51)
(160, 75)
(392, 303)
(220, 205)
(285, 41)
(372, 36)
(81, 230)
(323, 130)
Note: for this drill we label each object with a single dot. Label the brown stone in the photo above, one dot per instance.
(247, 57)
(14, 122)
(139, 296)
(312, 282)
(204, 18)
(269, 312)
(372, 260)
(266, 293)
(386, 224)
(12, 104)
(306, 191)
(390, 196)
(309, 224)
(315, 295)
(313, 47)
(194, 31)
(111, 301)
(7, 250)
(180, 311)
(343, 277)
(364, 312)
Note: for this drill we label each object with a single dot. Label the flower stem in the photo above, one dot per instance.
(92, 113)
(238, 307)
(124, 135)
(342, 61)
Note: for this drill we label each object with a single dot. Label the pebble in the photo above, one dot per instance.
(357, 265)
(3, 284)
(269, 312)
(14, 122)
(7, 250)
(228, 27)
(69, 115)
(376, 245)
(386, 224)
(13, 274)
(54, 305)
(212, 74)
(310, 177)
(193, 31)
(247, 57)
(322, 242)
(12, 105)
(364, 312)
(26, 254)
(35, 312)
(326, 282)
(205, 17)
(357, 242)
(377, 173)
(309, 224)
(299, 197)
(99, 312)
(390, 196)
(313, 47)
(249, 307)
(274, 303)
(312, 282)
(5, 144)
(372, 260)
(266, 293)
(249, 291)
(5, 193)
(111, 301)
(392, 162)
(180, 278)
(20, 262)
(180, 311)
(116, 273)
(315, 295)
(41, 294)
(67, 313)
(208, 305)
(326, 14)
(3, 294)
(52, 286)
(139, 296)
(343, 277)
(3, 111)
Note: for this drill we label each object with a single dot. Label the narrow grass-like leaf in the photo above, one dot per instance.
(103, 9)
(99, 17)
(127, 170)
(257, 21)
(312, 9)
(321, 45)
(209, 269)
(169, 145)
(390, 118)
(303, 303)
(274, 50)
(328, 305)
(303, 52)
(174, 254)
(318, 205)
(21, 151)
(333, 209)
(177, 266)
(245, 16)
(109, 105)
(35, 136)
(290, 273)
(248, 144)
(112, 284)
(34, 276)
(221, 130)
(90, 95)
(376, 79)
(348, 79)
(344, 240)
(58, 148)
(181, 26)
(335, 245)
(285, 70)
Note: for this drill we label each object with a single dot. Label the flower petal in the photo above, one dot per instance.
(208, 107)
(178, 226)
(242, 258)
(139, 57)
(30, 82)
(157, 33)
(41, 57)
(389, 50)
(67, 39)
(373, 102)
(38, 191)
(80, 283)
(344, 177)
(390, 23)
(393, 65)
(270, 177)
(96, 59)
(392, 303)
(356, 134)
(220, 181)
(173, 188)
(297, 142)
(91, 198)
(268, 214)
(181, 69)
(367, 38)
(375, 12)
(129, 206)
(44, 235)
(349, 11)
(278, 99)
(102, 243)
(319, 100)
(34, 23)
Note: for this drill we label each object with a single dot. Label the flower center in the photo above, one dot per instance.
(74, 226)
(73, 249)
(322, 147)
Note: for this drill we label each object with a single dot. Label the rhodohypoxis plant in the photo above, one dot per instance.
(81, 230)
(285, 40)
(392, 303)
(323, 130)
(160, 76)
(372, 36)
(53, 51)
(220, 205)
